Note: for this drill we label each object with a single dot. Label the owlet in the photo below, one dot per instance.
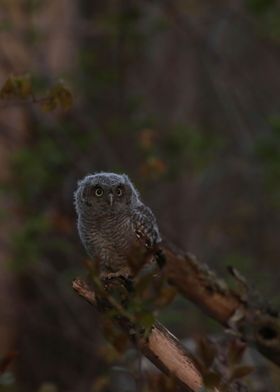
(111, 218)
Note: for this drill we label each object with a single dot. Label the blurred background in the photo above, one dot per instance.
(184, 97)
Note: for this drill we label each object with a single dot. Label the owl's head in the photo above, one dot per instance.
(103, 193)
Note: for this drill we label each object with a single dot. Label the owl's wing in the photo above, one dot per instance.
(145, 225)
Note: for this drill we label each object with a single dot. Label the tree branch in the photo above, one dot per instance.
(160, 346)
(250, 317)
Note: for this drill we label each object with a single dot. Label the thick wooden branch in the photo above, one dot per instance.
(255, 322)
(160, 346)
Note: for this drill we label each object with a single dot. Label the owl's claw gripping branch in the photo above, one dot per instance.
(126, 281)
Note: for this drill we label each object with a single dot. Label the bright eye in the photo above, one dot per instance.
(119, 191)
(99, 192)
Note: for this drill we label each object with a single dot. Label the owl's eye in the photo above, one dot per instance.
(98, 191)
(119, 191)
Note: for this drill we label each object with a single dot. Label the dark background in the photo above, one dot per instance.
(184, 97)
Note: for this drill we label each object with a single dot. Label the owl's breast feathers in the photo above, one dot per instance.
(111, 240)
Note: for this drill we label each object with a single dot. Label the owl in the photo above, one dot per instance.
(111, 218)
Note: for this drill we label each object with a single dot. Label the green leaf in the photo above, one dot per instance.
(49, 104)
(17, 86)
(8, 88)
(23, 85)
(62, 95)
(147, 320)
(65, 98)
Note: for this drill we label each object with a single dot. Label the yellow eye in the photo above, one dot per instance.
(119, 191)
(98, 192)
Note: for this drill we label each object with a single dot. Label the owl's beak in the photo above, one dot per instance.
(111, 199)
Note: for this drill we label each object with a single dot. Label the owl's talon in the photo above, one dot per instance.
(126, 281)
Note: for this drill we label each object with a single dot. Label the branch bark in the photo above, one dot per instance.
(246, 315)
(250, 317)
(160, 347)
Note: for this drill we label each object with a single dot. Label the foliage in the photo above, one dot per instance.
(21, 87)
(221, 368)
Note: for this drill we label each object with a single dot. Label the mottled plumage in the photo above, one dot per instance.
(111, 217)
